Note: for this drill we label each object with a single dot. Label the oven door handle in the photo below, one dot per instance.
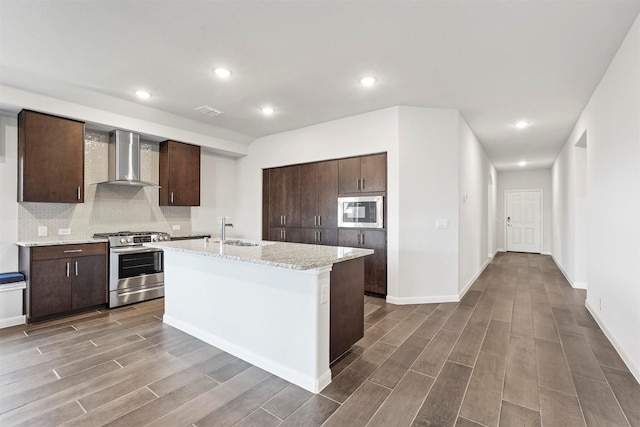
(139, 291)
(134, 251)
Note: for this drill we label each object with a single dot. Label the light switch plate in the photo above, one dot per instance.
(175, 227)
(42, 231)
(64, 231)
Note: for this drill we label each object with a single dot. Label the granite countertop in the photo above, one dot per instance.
(192, 235)
(294, 256)
(59, 240)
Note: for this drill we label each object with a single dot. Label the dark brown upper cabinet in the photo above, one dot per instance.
(364, 174)
(284, 196)
(179, 174)
(50, 158)
(319, 197)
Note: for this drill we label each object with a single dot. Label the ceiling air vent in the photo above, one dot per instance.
(209, 111)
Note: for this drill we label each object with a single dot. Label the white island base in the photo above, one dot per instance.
(274, 318)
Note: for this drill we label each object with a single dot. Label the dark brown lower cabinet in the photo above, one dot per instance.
(346, 306)
(375, 266)
(319, 236)
(52, 291)
(63, 279)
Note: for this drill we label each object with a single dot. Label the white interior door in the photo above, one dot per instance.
(523, 221)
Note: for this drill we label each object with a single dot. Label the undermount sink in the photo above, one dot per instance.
(243, 243)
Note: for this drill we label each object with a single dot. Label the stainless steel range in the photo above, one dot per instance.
(136, 273)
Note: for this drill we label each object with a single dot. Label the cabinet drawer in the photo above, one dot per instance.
(68, 251)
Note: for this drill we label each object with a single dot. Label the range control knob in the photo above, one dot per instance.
(129, 240)
(122, 240)
(154, 239)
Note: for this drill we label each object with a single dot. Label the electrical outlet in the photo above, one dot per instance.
(64, 231)
(42, 231)
(324, 294)
(442, 223)
(175, 227)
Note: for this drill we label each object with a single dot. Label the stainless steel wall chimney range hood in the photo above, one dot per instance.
(124, 159)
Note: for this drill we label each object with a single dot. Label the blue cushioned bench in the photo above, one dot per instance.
(11, 278)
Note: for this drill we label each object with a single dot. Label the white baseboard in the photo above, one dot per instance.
(564, 273)
(579, 285)
(13, 321)
(501, 250)
(438, 298)
(473, 279)
(422, 300)
(545, 253)
(626, 358)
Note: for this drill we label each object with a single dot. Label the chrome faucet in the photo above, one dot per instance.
(223, 226)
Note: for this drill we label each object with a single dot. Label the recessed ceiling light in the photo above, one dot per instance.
(268, 110)
(222, 72)
(522, 124)
(522, 163)
(367, 81)
(143, 94)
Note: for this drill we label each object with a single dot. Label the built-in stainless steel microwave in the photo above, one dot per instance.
(364, 212)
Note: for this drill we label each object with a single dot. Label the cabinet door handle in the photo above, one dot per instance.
(76, 268)
(285, 234)
(67, 269)
(72, 251)
(362, 181)
(78, 192)
(172, 197)
(315, 220)
(363, 240)
(319, 219)
(358, 183)
(319, 236)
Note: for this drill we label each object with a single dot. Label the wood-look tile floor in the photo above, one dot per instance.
(520, 349)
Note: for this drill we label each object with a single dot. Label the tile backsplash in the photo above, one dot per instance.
(106, 208)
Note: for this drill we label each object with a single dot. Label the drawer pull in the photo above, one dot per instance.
(67, 269)
(76, 268)
(72, 251)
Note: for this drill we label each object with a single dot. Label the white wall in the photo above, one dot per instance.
(563, 211)
(8, 194)
(612, 122)
(526, 180)
(218, 190)
(476, 199)
(428, 257)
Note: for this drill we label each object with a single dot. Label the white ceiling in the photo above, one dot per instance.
(495, 61)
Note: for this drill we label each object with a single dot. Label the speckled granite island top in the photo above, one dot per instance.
(294, 256)
(55, 241)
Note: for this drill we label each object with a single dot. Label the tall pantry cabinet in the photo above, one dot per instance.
(300, 205)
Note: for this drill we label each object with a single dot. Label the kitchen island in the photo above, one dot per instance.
(287, 308)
